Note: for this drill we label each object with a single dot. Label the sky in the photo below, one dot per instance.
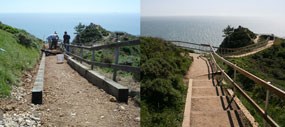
(258, 8)
(70, 6)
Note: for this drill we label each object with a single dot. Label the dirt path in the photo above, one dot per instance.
(269, 44)
(70, 100)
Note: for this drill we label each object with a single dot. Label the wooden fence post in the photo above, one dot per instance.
(93, 58)
(117, 49)
(266, 107)
(81, 54)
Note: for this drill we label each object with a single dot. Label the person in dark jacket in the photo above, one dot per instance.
(66, 39)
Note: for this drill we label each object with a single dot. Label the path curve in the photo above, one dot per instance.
(268, 45)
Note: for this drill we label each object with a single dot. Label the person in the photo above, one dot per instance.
(66, 39)
(54, 39)
(49, 39)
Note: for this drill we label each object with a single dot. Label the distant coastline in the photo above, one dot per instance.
(43, 24)
(205, 29)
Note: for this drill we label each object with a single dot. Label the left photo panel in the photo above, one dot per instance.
(70, 63)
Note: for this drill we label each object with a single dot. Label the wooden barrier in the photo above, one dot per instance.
(114, 66)
(37, 91)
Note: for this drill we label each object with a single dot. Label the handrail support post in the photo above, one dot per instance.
(117, 49)
(81, 54)
(93, 59)
(266, 107)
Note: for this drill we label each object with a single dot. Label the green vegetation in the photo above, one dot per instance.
(236, 38)
(19, 51)
(95, 34)
(268, 65)
(89, 34)
(163, 66)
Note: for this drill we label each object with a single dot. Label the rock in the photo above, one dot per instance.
(73, 114)
(20, 119)
(28, 80)
(9, 108)
(113, 99)
(122, 108)
(137, 119)
(61, 115)
(102, 117)
(35, 118)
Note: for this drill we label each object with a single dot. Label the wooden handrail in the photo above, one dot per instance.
(269, 87)
(115, 66)
(109, 65)
(113, 45)
(256, 79)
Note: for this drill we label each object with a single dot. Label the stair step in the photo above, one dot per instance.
(203, 77)
(210, 103)
(203, 83)
(208, 91)
(216, 118)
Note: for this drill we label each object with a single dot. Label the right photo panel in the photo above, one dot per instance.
(208, 63)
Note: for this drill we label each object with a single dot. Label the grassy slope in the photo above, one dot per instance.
(14, 61)
(268, 65)
(162, 71)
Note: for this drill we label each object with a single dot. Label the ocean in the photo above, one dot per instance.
(42, 25)
(203, 29)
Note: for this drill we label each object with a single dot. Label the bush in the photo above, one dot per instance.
(239, 38)
(162, 71)
(24, 40)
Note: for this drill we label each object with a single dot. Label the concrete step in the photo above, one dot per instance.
(231, 118)
(212, 103)
(208, 91)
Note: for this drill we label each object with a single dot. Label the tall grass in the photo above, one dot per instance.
(14, 59)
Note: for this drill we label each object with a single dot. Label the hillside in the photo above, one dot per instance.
(237, 37)
(19, 51)
(162, 69)
(93, 34)
(268, 65)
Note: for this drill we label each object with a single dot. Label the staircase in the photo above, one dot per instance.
(208, 105)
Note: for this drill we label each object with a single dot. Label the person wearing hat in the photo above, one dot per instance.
(54, 40)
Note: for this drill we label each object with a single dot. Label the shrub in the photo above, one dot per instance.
(162, 70)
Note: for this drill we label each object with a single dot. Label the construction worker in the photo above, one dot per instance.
(54, 40)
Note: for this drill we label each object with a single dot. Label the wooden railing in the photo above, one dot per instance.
(242, 50)
(213, 57)
(269, 87)
(192, 46)
(115, 66)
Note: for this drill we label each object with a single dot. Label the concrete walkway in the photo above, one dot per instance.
(206, 103)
